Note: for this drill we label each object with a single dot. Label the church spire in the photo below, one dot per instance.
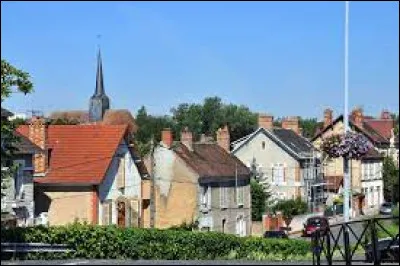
(99, 102)
(99, 76)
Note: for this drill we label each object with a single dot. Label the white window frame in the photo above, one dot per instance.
(240, 195)
(278, 173)
(19, 179)
(240, 225)
(206, 197)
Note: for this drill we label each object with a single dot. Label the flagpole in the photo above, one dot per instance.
(346, 176)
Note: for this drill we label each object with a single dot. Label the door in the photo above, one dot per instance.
(121, 213)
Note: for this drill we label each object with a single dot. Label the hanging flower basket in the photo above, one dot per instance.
(349, 145)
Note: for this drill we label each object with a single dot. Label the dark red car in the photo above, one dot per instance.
(314, 223)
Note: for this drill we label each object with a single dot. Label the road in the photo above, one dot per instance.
(165, 262)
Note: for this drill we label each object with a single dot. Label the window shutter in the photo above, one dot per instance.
(106, 213)
(284, 173)
(272, 173)
(121, 173)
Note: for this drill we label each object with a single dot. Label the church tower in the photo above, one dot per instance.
(99, 102)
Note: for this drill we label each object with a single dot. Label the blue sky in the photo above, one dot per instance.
(285, 58)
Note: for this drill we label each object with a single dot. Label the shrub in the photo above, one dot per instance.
(290, 208)
(110, 242)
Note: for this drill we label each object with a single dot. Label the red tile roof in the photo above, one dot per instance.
(80, 154)
(378, 131)
(382, 126)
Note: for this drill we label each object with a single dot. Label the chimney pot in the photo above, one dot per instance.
(38, 135)
(166, 137)
(328, 117)
(385, 114)
(187, 138)
(292, 123)
(265, 121)
(223, 138)
(358, 117)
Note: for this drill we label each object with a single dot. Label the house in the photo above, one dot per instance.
(200, 182)
(366, 174)
(17, 196)
(85, 173)
(284, 158)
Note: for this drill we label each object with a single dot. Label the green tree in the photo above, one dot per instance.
(309, 126)
(290, 208)
(390, 174)
(258, 200)
(149, 127)
(12, 80)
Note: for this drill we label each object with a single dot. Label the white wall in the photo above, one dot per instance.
(108, 189)
(267, 157)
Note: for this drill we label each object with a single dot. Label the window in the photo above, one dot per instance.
(240, 195)
(19, 179)
(240, 226)
(121, 173)
(206, 197)
(107, 212)
(278, 173)
(263, 145)
(224, 196)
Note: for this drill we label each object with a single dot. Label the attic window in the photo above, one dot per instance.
(263, 145)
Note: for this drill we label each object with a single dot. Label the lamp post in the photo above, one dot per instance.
(346, 168)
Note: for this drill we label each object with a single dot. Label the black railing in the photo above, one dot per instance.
(340, 242)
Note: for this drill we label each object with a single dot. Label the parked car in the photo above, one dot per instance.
(386, 208)
(387, 250)
(314, 223)
(276, 234)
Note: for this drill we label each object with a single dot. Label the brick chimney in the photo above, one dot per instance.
(328, 117)
(291, 122)
(187, 138)
(357, 117)
(38, 135)
(385, 114)
(166, 137)
(223, 138)
(265, 121)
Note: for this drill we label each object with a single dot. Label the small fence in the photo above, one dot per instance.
(333, 244)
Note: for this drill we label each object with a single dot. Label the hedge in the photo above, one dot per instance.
(110, 242)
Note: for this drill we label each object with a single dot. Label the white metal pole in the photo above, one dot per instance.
(346, 176)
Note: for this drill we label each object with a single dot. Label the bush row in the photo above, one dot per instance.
(110, 242)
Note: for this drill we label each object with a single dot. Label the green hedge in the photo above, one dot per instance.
(100, 242)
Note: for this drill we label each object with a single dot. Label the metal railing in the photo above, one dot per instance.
(333, 243)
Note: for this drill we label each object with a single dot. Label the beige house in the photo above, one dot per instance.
(200, 182)
(366, 174)
(284, 158)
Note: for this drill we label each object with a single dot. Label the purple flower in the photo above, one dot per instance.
(351, 145)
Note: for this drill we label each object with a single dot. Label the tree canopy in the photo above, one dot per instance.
(13, 80)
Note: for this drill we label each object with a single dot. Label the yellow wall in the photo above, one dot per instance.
(68, 205)
(334, 166)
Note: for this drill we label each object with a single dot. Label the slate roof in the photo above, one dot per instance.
(287, 139)
(209, 160)
(81, 154)
(296, 142)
